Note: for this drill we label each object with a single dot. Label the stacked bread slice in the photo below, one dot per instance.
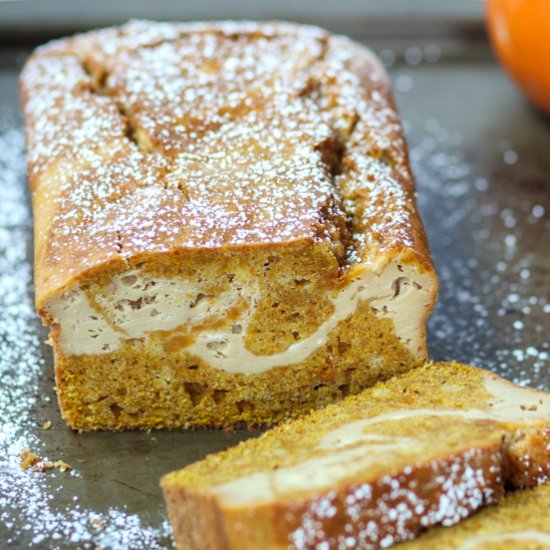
(520, 521)
(428, 447)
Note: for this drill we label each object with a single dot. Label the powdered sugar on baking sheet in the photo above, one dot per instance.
(41, 509)
(500, 315)
(489, 234)
(14, 210)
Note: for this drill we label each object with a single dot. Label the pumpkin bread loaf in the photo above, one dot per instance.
(226, 230)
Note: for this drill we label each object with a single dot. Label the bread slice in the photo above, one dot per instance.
(521, 521)
(226, 229)
(428, 447)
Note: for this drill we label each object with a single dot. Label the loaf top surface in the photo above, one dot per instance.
(160, 138)
(436, 411)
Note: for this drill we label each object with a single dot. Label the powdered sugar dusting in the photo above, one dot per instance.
(14, 211)
(396, 507)
(489, 236)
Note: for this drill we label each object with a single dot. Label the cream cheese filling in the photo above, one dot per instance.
(136, 305)
(316, 473)
(348, 449)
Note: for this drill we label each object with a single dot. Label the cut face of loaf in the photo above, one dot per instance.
(428, 447)
(216, 311)
(226, 229)
(519, 522)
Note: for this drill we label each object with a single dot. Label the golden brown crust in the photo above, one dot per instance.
(210, 533)
(528, 461)
(154, 139)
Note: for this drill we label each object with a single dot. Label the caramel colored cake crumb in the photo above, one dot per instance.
(29, 460)
(97, 524)
(38, 464)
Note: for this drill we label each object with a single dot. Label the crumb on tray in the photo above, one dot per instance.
(38, 464)
(97, 524)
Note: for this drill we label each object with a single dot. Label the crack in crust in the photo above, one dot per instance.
(119, 245)
(99, 84)
(99, 77)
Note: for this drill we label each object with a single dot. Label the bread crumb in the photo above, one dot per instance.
(47, 425)
(62, 465)
(97, 524)
(28, 459)
(38, 464)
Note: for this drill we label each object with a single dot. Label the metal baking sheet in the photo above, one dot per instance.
(480, 155)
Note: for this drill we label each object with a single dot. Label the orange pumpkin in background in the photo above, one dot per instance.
(520, 32)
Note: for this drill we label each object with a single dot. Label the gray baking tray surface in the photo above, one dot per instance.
(482, 163)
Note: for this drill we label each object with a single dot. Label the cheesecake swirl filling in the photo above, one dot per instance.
(136, 306)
